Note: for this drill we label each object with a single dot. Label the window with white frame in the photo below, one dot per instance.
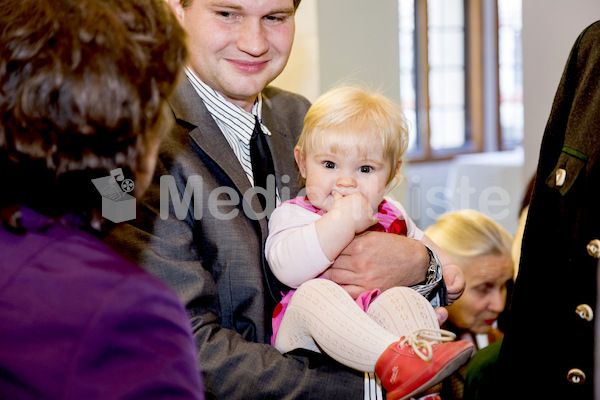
(461, 69)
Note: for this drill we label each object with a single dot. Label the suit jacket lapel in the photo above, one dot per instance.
(189, 108)
(280, 143)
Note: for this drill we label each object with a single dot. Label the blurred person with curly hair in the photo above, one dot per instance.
(83, 88)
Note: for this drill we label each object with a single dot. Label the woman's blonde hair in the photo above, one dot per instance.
(465, 234)
(349, 118)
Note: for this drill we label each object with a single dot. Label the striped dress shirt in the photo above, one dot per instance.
(236, 123)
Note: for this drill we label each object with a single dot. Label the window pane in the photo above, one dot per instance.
(447, 88)
(446, 46)
(446, 12)
(511, 72)
(511, 121)
(408, 96)
(450, 122)
(446, 54)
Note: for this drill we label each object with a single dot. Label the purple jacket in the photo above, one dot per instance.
(77, 321)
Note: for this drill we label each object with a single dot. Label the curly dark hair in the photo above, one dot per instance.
(83, 85)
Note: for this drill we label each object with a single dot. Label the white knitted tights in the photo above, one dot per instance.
(323, 316)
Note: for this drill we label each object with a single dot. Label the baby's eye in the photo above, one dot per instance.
(366, 169)
(329, 164)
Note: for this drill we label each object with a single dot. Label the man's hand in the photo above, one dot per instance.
(455, 281)
(441, 314)
(453, 275)
(378, 260)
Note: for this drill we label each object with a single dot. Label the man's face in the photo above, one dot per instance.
(237, 47)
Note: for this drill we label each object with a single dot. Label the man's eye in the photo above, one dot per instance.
(274, 18)
(226, 15)
(366, 169)
(329, 164)
(277, 19)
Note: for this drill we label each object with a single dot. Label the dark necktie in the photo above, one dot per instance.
(262, 162)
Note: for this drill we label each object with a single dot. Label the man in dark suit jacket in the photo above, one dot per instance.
(548, 350)
(209, 248)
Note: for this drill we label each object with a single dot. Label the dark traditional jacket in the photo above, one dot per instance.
(548, 350)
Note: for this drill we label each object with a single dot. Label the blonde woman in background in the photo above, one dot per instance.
(482, 249)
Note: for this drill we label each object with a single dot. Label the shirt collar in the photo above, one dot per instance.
(226, 112)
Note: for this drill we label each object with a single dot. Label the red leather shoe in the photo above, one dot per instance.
(419, 361)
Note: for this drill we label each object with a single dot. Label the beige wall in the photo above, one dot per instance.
(340, 40)
(301, 74)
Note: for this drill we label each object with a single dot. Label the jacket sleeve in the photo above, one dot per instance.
(137, 345)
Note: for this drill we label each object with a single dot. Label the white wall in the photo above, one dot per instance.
(343, 40)
(301, 75)
(359, 40)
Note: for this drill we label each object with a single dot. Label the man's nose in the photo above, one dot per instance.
(252, 38)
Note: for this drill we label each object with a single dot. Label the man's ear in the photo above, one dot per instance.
(300, 160)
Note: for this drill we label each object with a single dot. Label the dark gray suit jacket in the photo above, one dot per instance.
(212, 254)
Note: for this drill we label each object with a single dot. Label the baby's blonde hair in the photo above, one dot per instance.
(349, 118)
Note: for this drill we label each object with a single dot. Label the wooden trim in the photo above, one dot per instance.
(442, 155)
(422, 72)
(474, 72)
(499, 144)
(475, 76)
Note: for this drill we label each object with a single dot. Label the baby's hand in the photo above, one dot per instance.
(355, 207)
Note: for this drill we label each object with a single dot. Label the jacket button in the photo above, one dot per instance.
(593, 248)
(560, 177)
(585, 312)
(576, 376)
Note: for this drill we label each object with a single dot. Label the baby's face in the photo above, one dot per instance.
(327, 172)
